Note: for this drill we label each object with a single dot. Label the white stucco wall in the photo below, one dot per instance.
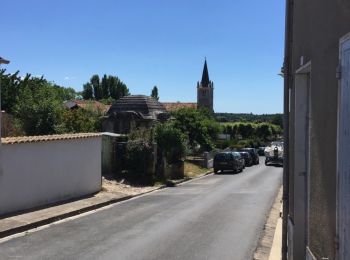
(38, 173)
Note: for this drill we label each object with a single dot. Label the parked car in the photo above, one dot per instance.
(261, 151)
(247, 158)
(240, 159)
(253, 154)
(228, 161)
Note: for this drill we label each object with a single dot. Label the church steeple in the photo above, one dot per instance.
(205, 76)
(205, 90)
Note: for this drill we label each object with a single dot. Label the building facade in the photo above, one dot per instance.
(205, 91)
(134, 112)
(318, 80)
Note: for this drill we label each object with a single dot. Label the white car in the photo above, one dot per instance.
(274, 153)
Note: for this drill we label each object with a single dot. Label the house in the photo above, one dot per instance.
(134, 111)
(87, 104)
(173, 106)
(317, 110)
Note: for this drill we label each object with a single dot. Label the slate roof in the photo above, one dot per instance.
(142, 106)
(205, 76)
(45, 138)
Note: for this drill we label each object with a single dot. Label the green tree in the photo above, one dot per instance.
(263, 131)
(105, 87)
(95, 82)
(197, 126)
(65, 93)
(39, 107)
(154, 93)
(79, 121)
(277, 120)
(246, 130)
(10, 85)
(88, 91)
(122, 89)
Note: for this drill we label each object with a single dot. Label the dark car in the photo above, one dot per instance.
(225, 161)
(240, 159)
(253, 154)
(261, 151)
(247, 158)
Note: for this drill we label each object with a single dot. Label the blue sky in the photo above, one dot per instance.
(153, 42)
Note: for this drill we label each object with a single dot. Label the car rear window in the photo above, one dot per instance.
(222, 156)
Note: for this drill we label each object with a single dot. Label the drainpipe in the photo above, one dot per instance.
(287, 87)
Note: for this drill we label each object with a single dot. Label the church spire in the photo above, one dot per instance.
(205, 76)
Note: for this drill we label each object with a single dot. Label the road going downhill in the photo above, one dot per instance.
(215, 217)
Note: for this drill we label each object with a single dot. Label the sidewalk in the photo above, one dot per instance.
(269, 246)
(276, 249)
(22, 222)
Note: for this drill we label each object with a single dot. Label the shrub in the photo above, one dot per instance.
(171, 142)
(139, 162)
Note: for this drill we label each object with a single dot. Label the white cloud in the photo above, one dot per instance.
(69, 78)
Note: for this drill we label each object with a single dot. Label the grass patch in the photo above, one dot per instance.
(193, 170)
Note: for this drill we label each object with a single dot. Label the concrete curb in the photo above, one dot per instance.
(36, 224)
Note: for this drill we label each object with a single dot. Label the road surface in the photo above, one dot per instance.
(215, 217)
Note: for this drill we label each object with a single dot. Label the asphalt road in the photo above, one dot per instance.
(215, 217)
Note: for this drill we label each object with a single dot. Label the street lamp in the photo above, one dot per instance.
(2, 61)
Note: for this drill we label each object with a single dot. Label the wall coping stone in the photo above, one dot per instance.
(47, 138)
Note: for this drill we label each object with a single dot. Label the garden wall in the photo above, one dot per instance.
(40, 170)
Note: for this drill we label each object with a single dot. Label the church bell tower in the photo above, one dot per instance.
(205, 91)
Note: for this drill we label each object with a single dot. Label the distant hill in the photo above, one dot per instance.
(241, 117)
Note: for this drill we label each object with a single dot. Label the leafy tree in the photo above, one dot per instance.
(105, 87)
(65, 93)
(263, 131)
(88, 91)
(245, 130)
(79, 121)
(277, 120)
(95, 82)
(197, 126)
(39, 107)
(122, 89)
(154, 93)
